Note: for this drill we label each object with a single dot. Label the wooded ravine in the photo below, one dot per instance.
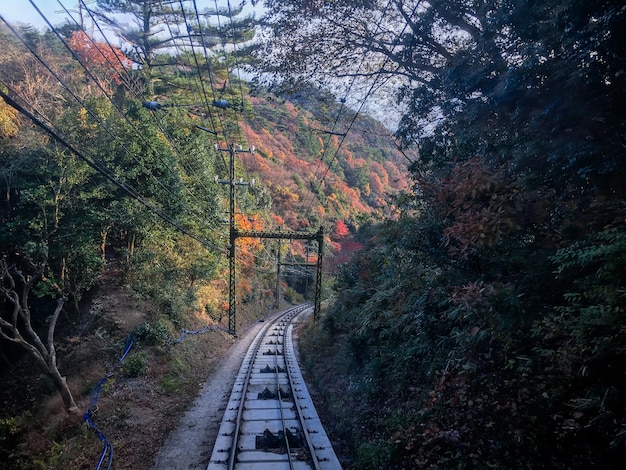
(474, 283)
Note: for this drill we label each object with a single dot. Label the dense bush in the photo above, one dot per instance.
(486, 327)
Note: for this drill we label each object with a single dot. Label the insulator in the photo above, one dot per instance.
(221, 104)
(151, 105)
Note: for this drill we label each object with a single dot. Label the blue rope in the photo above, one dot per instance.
(196, 332)
(130, 340)
(107, 446)
(90, 412)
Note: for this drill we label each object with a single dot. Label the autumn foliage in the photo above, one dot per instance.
(8, 121)
(481, 205)
(104, 60)
(307, 181)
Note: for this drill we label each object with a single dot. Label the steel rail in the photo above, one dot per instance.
(257, 344)
(260, 425)
(280, 399)
(296, 401)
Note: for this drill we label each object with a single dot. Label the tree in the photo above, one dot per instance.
(150, 17)
(53, 207)
(474, 75)
(100, 58)
(340, 230)
(159, 25)
(15, 291)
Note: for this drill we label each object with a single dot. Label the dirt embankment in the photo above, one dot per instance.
(144, 398)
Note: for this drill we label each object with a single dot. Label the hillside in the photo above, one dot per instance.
(112, 231)
(477, 320)
(313, 176)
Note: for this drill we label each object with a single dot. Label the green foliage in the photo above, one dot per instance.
(171, 384)
(152, 333)
(458, 352)
(596, 300)
(78, 442)
(10, 431)
(586, 334)
(135, 365)
(290, 294)
(373, 455)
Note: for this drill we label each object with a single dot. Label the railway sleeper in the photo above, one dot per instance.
(273, 352)
(270, 441)
(272, 370)
(267, 394)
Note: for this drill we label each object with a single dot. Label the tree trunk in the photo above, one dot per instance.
(131, 249)
(61, 385)
(44, 354)
(53, 370)
(103, 244)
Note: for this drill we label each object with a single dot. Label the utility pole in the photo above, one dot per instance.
(319, 236)
(306, 278)
(234, 233)
(232, 295)
(277, 294)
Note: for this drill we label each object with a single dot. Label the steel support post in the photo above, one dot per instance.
(318, 277)
(232, 296)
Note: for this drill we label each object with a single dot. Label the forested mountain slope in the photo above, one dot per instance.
(486, 327)
(482, 325)
(316, 177)
(112, 224)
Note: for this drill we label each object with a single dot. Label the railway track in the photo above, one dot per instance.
(270, 421)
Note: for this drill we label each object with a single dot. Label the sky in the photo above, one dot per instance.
(22, 11)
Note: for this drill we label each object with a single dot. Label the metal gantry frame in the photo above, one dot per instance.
(234, 234)
(317, 236)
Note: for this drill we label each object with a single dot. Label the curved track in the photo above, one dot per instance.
(270, 421)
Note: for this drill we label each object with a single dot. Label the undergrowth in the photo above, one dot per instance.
(424, 363)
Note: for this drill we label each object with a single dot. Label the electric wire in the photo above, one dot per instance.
(236, 59)
(235, 54)
(223, 41)
(197, 64)
(142, 98)
(115, 106)
(213, 127)
(78, 99)
(339, 112)
(103, 170)
(374, 86)
(199, 71)
(173, 145)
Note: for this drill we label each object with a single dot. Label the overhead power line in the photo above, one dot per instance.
(374, 85)
(108, 97)
(103, 170)
(132, 89)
